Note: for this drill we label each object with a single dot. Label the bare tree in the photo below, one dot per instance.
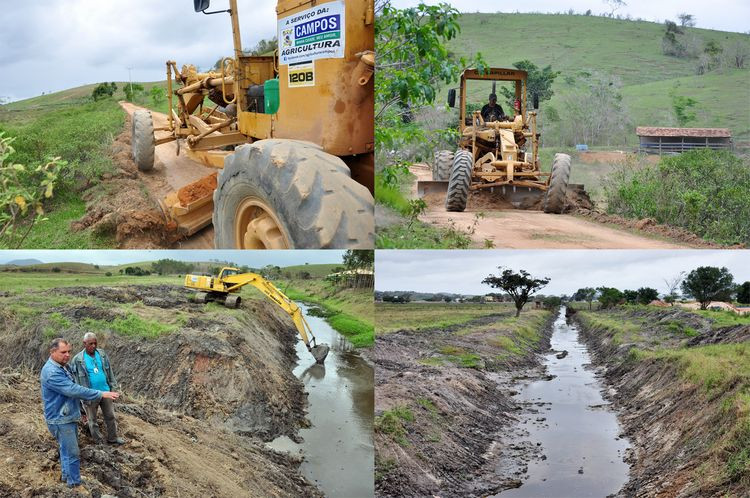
(686, 20)
(615, 5)
(672, 285)
(736, 53)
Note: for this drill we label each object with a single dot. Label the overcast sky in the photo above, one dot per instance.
(724, 15)
(255, 259)
(462, 272)
(53, 45)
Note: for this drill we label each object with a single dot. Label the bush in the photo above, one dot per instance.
(703, 191)
(104, 90)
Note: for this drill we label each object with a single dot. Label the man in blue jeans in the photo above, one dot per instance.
(60, 396)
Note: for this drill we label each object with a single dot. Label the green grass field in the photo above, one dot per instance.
(630, 50)
(391, 317)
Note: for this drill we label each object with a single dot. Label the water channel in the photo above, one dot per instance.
(338, 448)
(578, 433)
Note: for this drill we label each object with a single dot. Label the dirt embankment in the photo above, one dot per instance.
(198, 403)
(684, 433)
(442, 403)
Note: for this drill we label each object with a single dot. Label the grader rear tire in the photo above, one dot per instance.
(459, 182)
(290, 194)
(554, 198)
(441, 167)
(142, 140)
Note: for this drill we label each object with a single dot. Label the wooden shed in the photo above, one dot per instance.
(657, 140)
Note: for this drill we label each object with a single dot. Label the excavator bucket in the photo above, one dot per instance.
(192, 206)
(320, 352)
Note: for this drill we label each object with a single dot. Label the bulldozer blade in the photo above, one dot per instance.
(320, 352)
(520, 197)
(192, 206)
(425, 187)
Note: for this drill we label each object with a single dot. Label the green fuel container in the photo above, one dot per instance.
(271, 96)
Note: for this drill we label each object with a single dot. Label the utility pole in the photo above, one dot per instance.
(130, 81)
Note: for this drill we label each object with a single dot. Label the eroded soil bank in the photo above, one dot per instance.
(204, 388)
(682, 384)
(443, 400)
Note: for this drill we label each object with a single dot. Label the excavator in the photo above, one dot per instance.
(225, 288)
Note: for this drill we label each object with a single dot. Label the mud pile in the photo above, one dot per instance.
(437, 423)
(198, 401)
(121, 205)
(674, 425)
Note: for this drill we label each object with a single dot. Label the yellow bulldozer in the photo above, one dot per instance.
(226, 287)
(500, 154)
(292, 133)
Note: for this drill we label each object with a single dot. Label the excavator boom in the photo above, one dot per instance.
(228, 284)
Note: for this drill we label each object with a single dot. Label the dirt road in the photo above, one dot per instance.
(521, 229)
(172, 172)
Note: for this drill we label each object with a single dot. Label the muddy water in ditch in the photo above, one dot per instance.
(579, 435)
(338, 448)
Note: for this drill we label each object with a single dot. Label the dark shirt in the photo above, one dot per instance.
(492, 113)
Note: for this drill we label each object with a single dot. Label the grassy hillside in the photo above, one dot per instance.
(630, 50)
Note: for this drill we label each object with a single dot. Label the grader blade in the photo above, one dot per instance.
(520, 197)
(192, 206)
(425, 187)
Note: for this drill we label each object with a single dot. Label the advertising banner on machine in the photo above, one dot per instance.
(311, 34)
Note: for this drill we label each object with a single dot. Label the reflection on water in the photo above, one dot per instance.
(579, 436)
(338, 448)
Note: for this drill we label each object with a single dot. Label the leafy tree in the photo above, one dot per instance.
(708, 283)
(519, 285)
(132, 90)
(539, 81)
(647, 294)
(104, 90)
(683, 108)
(686, 20)
(158, 94)
(630, 296)
(551, 302)
(585, 294)
(743, 293)
(447, 299)
(609, 297)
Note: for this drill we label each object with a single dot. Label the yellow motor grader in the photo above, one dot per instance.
(501, 155)
(226, 287)
(292, 133)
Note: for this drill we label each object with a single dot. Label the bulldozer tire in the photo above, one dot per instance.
(143, 140)
(290, 194)
(459, 182)
(554, 198)
(232, 301)
(441, 167)
(200, 297)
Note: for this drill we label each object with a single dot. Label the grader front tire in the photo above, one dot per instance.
(441, 167)
(459, 182)
(289, 194)
(554, 198)
(142, 140)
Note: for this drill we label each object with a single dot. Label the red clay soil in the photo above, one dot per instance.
(197, 190)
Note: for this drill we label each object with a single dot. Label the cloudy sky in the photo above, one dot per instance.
(255, 259)
(724, 15)
(52, 45)
(462, 272)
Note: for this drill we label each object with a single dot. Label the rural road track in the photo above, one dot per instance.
(522, 229)
(172, 172)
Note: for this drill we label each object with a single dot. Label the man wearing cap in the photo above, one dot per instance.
(92, 369)
(60, 397)
(492, 111)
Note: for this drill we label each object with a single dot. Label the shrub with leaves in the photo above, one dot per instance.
(703, 191)
(24, 189)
